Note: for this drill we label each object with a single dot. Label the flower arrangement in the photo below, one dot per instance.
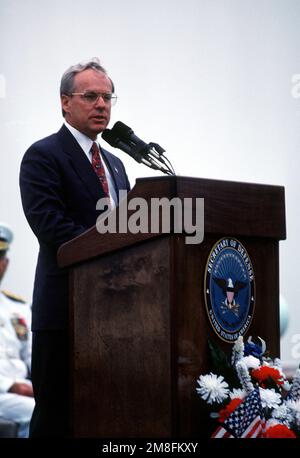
(251, 396)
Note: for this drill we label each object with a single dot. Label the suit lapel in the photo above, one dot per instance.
(80, 163)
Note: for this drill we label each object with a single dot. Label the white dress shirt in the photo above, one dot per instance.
(86, 143)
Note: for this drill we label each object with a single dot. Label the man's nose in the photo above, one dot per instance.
(100, 102)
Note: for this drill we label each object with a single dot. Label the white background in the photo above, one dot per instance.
(209, 80)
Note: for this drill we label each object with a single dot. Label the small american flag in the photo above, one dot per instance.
(246, 420)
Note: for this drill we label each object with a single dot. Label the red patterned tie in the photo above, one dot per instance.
(99, 168)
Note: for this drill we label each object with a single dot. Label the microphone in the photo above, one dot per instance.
(113, 140)
(123, 137)
(126, 133)
(118, 137)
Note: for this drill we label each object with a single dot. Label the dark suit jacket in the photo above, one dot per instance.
(59, 191)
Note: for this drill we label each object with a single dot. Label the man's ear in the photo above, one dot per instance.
(65, 103)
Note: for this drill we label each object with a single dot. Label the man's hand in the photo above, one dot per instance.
(24, 389)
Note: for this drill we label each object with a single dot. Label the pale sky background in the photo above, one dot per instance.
(209, 80)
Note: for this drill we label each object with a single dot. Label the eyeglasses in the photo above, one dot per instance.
(93, 97)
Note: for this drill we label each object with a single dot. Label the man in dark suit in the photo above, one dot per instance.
(61, 179)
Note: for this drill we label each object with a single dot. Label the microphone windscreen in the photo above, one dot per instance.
(109, 137)
(122, 131)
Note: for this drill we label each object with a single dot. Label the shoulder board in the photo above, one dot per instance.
(13, 297)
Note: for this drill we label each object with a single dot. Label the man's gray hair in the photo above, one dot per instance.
(67, 80)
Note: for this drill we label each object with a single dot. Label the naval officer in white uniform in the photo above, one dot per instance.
(16, 394)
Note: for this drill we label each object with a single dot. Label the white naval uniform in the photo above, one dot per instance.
(15, 361)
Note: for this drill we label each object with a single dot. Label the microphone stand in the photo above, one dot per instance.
(152, 156)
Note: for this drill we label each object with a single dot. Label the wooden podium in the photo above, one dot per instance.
(139, 323)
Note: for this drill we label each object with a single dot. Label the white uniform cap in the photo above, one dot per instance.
(6, 236)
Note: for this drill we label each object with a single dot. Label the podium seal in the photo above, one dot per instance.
(229, 289)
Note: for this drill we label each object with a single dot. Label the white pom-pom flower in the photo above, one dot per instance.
(282, 414)
(212, 388)
(251, 362)
(294, 410)
(269, 398)
(293, 405)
